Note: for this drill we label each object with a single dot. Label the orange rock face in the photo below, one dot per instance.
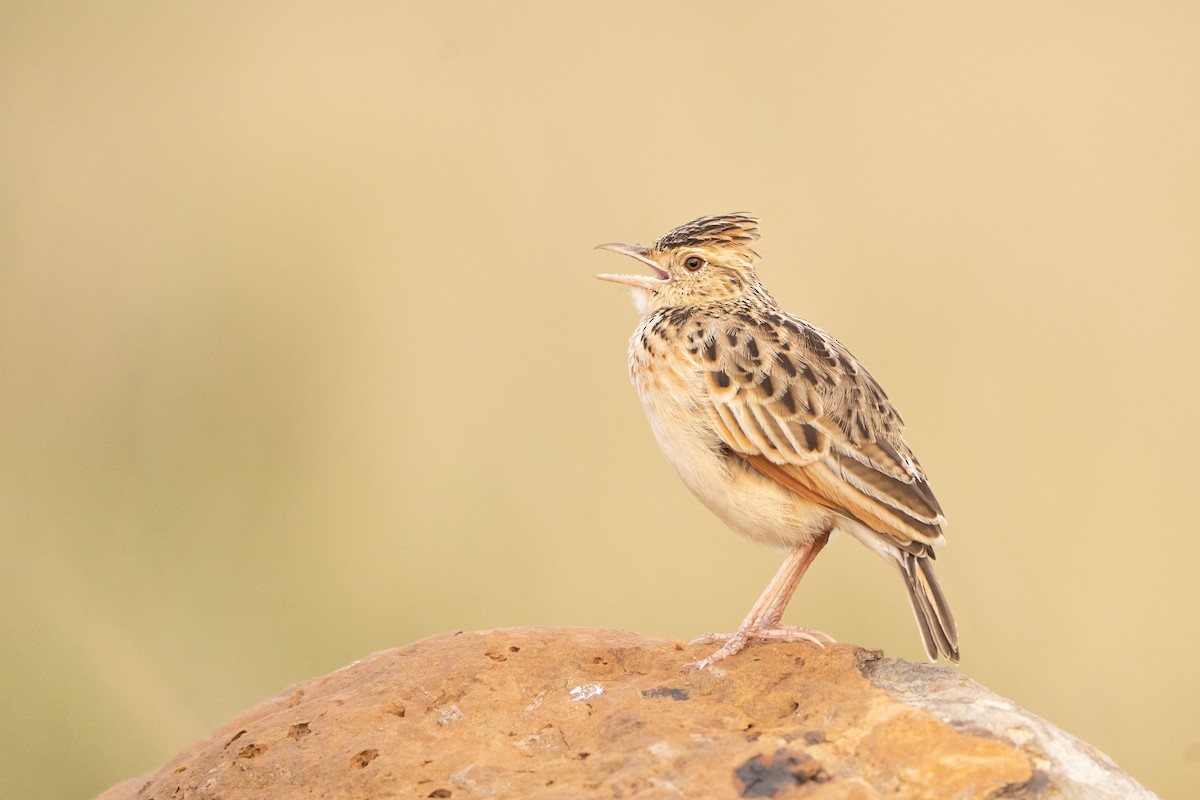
(558, 713)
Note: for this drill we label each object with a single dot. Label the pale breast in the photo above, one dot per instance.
(671, 387)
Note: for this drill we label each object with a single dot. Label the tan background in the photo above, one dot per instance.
(301, 356)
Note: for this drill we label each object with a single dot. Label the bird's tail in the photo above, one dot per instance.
(929, 605)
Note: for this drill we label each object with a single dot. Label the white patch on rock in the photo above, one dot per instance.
(586, 692)
(448, 715)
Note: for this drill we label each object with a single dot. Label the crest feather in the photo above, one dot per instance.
(724, 232)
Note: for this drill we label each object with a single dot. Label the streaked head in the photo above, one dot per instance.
(706, 260)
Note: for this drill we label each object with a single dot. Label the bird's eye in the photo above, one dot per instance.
(694, 263)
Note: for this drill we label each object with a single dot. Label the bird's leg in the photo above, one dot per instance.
(775, 611)
(763, 620)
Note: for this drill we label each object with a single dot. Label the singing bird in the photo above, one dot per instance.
(775, 426)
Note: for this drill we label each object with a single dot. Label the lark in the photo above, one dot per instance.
(775, 426)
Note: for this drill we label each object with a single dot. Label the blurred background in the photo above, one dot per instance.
(301, 356)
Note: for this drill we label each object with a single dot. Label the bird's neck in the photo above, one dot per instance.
(755, 297)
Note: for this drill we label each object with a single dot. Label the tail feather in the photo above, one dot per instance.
(938, 630)
(914, 560)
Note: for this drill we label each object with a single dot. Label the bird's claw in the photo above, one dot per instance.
(736, 642)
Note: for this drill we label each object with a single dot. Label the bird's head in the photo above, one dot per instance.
(707, 260)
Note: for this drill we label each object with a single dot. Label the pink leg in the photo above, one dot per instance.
(763, 620)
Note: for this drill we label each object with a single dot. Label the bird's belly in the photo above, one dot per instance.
(745, 500)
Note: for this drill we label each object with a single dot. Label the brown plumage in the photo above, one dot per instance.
(774, 425)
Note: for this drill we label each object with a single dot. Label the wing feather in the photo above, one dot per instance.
(798, 406)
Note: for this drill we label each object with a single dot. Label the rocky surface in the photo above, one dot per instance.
(563, 712)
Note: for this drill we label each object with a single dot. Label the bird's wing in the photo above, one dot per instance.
(795, 403)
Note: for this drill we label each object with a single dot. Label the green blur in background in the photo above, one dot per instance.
(301, 356)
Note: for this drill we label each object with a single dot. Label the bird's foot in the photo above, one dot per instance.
(736, 642)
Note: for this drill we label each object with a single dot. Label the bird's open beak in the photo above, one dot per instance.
(641, 253)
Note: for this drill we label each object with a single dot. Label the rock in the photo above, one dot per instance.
(562, 712)
(1059, 759)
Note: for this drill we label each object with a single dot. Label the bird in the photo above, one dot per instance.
(775, 426)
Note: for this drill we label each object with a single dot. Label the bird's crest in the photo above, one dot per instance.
(725, 232)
